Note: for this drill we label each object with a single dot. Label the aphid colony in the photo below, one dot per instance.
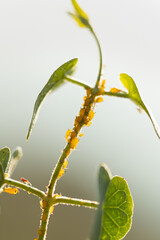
(86, 114)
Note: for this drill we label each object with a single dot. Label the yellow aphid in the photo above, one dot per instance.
(88, 92)
(103, 83)
(41, 204)
(102, 87)
(88, 124)
(114, 90)
(87, 101)
(82, 112)
(10, 190)
(81, 135)
(44, 204)
(101, 91)
(74, 142)
(65, 164)
(68, 134)
(77, 128)
(73, 134)
(44, 216)
(98, 100)
(91, 115)
(51, 209)
(77, 120)
(57, 195)
(39, 232)
(68, 152)
(61, 172)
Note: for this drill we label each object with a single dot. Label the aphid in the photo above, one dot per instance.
(114, 90)
(43, 204)
(68, 152)
(51, 209)
(61, 172)
(68, 134)
(65, 164)
(98, 100)
(81, 135)
(74, 142)
(91, 115)
(88, 124)
(10, 190)
(24, 180)
(44, 216)
(88, 92)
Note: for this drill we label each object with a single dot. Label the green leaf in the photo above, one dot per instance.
(4, 157)
(104, 178)
(134, 95)
(16, 156)
(56, 79)
(80, 16)
(117, 210)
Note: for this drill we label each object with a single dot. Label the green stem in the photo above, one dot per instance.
(100, 55)
(44, 222)
(76, 202)
(25, 187)
(56, 171)
(121, 94)
(70, 79)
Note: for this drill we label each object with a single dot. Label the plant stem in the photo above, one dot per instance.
(121, 94)
(56, 171)
(64, 155)
(76, 202)
(70, 79)
(25, 187)
(100, 55)
(44, 222)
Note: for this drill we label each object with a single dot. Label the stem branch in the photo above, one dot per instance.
(121, 94)
(25, 187)
(100, 55)
(76, 202)
(70, 79)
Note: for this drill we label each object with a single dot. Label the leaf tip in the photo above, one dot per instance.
(28, 135)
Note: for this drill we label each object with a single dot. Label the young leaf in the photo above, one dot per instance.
(117, 210)
(16, 156)
(134, 95)
(4, 157)
(54, 82)
(104, 178)
(80, 16)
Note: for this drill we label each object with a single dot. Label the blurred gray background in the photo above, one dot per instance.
(36, 37)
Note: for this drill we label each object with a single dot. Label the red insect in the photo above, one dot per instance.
(24, 180)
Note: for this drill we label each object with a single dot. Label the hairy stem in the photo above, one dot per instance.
(100, 56)
(56, 171)
(25, 187)
(121, 94)
(42, 231)
(76, 202)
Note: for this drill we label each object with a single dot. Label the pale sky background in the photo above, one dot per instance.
(38, 36)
